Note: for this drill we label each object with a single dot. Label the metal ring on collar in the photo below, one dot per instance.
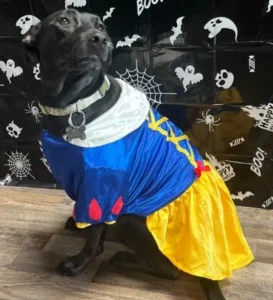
(70, 119)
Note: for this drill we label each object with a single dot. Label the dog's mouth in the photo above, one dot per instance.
(88, 63)
(85, 59)
(80, 62)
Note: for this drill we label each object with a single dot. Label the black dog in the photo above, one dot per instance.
(74, 52)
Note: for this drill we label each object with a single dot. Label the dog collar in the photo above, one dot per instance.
(80, 105)
(125, 116)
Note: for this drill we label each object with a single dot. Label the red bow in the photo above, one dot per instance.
(200, 168)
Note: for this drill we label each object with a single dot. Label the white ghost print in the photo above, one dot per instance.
(270, 4)
(217, 24)
(188, 76)
(75, 3)
(26, 22)
(10, 70)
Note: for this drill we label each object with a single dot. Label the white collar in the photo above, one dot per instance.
(128, 114)
(80, 105)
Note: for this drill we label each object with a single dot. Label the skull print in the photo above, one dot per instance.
(13, 130)
(224, 79)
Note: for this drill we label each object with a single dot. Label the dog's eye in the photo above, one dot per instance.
(100, 27)
(63, 21)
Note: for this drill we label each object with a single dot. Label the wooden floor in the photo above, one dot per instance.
(33, 241)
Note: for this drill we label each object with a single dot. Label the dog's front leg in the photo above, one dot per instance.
(75, 265)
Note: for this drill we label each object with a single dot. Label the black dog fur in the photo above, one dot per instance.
(74, 51)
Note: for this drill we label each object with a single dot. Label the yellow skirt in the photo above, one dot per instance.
(200, 231)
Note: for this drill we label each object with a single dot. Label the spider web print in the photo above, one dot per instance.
(19, 165)
(145, 84)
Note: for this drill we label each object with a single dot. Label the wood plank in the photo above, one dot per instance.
(40, 220)
(254, 233)
(264, 251)
(65, 245)
(15, 279)
(21, 239)
(36, 262)
(6, 257)
(33, 190)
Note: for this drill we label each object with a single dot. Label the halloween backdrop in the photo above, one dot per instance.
(206, 64)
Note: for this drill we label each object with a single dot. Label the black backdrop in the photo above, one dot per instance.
(220, 94)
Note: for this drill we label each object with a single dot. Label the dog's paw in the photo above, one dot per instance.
(71, 267)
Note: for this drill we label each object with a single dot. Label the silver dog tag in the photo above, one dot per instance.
(76, 131)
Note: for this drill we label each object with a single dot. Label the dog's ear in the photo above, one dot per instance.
(31, 41)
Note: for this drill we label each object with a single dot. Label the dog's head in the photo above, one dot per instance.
(68, 40)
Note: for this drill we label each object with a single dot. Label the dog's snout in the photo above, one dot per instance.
(98, 39)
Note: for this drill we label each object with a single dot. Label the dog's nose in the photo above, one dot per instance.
(97, 39)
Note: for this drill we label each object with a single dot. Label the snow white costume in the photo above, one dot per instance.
(134, 161)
